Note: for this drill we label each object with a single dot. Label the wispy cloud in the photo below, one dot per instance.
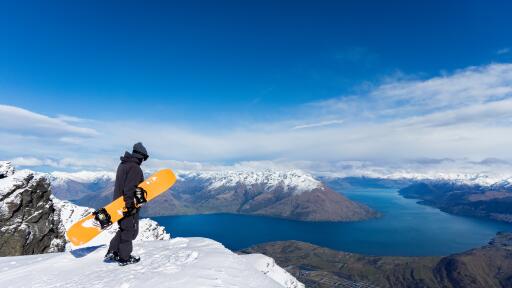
(319, 124)
(408, 98)
(503, 51)
(27, 122)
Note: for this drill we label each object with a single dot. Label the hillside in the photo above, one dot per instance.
(180, 262)
(487, 266)
(491, 202)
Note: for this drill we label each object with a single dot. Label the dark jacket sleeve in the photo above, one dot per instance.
(133, 179)
(120, 180)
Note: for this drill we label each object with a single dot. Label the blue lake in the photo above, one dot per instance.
(406, 228)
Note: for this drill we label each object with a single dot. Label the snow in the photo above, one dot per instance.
(9, 184)
(459, 178)
(268, 266)
(6, 168)
(290, 180)
(294, 180)
(180, 262)
(458, 175)
(59, 177)
(14, 181)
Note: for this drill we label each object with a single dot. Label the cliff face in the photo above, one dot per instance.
(29, 223)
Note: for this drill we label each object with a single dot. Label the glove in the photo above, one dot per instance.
(140, 196)
(130, 210)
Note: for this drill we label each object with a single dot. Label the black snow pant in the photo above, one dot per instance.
(122, 241)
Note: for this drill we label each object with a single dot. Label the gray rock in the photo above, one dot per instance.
(29, 223)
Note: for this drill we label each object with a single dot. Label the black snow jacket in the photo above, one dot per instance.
(128, 177)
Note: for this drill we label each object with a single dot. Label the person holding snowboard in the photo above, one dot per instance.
(129, 176)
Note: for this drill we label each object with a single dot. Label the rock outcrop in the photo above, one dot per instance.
(29, 223)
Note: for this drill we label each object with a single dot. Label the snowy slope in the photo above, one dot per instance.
(180, 262)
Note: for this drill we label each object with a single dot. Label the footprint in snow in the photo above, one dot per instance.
(183, 257)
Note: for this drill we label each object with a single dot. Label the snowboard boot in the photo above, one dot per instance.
(131, 260)
(111, 256)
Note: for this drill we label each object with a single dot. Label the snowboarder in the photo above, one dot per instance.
(129, 176)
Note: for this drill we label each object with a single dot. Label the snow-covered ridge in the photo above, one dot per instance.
(295, 180)
(482, 177)
(291, 180)
(59, 177)
(149, 232)
(176, 263)
(459, 178)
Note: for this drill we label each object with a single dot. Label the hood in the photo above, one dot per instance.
(129, 157)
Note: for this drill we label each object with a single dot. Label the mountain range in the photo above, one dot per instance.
(286, 194)
(298, 195)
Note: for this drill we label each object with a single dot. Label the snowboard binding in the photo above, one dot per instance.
(140, 196)
(101, 216)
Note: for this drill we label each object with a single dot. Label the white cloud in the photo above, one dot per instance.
(463, 115)
(20, 120)
(398, 99)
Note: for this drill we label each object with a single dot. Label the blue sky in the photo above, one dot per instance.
(229, 81)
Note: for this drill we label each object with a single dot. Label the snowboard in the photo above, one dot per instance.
(93, 224)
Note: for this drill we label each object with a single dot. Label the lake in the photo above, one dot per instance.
(406, 228)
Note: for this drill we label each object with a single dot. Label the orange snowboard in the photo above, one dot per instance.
(87, 228)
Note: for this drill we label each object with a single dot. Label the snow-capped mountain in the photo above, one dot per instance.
(291, 194)
(72, 186)
(58, 177)
(481, 179)
(294, 181)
